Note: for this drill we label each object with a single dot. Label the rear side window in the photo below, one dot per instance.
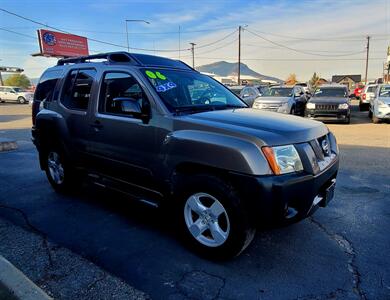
(77, 89)
(371, 89)
(46, 85)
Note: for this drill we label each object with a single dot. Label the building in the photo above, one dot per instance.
(348, 80)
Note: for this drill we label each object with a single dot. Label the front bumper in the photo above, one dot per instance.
(286, 198)
(383, 113)
(337, 115)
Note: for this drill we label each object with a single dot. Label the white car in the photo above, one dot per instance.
(366, 96)
(380, 105)
(15, 94)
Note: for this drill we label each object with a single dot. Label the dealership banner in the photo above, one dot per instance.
(60, 44)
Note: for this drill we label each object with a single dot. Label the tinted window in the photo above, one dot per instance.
(190, 90)
(120, 85)
(46, 85)
(384, 91)
(77, 89)
(371, 89)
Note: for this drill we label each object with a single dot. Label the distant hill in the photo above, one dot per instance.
(223, 68)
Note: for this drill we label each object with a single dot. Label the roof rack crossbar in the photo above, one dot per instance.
(111, 57)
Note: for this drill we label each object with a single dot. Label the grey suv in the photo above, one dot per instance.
(165, 134)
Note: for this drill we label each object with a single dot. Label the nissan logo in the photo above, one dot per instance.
(325, 147)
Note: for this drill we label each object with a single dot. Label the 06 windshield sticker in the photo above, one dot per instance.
(165, 87)
(155, 75)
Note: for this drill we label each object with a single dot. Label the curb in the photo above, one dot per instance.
(18, 284)
(7, 145)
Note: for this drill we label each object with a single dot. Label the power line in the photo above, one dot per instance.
(91, 39)
(217, 41)
(339, 38)
(297, 50)
(18, 33)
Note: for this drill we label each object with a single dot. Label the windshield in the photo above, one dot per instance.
(18, 90)
(264, 90)
(385, 91)
(330, 92)
(278, 92)
(371, 89)
(190, 91)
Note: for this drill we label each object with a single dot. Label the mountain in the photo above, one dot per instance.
(223, 68)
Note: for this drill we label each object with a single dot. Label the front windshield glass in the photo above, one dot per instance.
(330, 92)
(385, 91)
(278, 92)
(183, 90)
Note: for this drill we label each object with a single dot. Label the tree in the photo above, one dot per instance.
(291, 79)
(19, 80)
(314, 81)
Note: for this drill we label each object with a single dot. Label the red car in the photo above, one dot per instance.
(357, 92)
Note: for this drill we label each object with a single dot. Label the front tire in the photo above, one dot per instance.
(22, 100)
(212, 218)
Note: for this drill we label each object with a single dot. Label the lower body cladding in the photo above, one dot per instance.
(288, 198)
(342, 115)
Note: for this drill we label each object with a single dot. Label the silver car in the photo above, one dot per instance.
(380, 105)
(283, 99)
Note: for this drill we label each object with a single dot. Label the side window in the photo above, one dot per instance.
(46, 85)
(122, 95)
(77, 89)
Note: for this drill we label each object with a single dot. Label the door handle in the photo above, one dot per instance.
(96, 125)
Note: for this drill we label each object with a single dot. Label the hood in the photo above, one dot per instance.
(272, 99)
(385, 99)
(272, 128)
(328, 100)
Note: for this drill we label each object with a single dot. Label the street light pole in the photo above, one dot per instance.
(127, 31)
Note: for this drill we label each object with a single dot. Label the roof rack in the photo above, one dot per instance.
(113, 57)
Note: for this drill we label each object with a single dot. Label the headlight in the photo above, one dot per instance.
(310, 105)
(283, 159)
(343, 106)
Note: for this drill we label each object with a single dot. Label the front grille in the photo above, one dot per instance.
(323, 151)
(327, 107)
(267, 106)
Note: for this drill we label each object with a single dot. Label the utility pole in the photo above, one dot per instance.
(368, 50)
(239, 55)
(193, 54)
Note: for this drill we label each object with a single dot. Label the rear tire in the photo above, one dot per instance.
(212, 218)
(60, 173)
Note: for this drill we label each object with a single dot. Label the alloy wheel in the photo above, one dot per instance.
(206, 219)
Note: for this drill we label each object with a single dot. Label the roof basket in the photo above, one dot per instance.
(113, 57)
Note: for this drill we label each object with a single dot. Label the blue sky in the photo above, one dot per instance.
(323, 36)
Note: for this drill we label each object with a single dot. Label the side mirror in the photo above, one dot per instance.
(131, 107)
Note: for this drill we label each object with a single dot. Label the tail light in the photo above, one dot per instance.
(364, 96)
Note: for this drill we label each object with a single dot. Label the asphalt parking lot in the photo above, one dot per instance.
(342, 252)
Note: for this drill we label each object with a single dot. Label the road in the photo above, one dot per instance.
(342, 252)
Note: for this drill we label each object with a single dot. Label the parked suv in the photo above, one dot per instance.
(165, 134)
(330, 102)
(367, 95)
(283, 99)
(15, 94)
